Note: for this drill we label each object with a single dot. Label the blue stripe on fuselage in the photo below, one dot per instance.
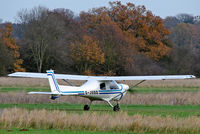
(73, 92)
(111, 93)
(121, 96)
(81, 94)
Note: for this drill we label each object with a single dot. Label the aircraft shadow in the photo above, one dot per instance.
(91, 110)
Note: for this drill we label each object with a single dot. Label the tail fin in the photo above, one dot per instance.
(53, 82)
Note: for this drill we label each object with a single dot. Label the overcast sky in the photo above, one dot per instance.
(162, 8)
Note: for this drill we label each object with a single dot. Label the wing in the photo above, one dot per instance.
(161, 77)
(103, 78)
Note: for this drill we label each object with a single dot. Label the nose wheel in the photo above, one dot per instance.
(116, 108)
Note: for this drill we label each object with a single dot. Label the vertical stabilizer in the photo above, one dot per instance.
(53, 82)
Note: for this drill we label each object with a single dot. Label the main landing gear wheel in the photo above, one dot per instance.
(116, 108)
(86, 107)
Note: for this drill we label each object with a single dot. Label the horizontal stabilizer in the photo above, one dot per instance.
(29, 75)
(50, 93)
(73, 93)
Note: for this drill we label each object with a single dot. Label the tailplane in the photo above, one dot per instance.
(53, 82)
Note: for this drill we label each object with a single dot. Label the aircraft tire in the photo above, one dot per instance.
(86, 107)
(116, 108)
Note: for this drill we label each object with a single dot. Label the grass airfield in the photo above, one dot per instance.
(146, 110)
(55, 131)
(135, 116)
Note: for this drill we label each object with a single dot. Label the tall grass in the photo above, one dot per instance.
(121, 121)
(178, 98)
(24, 98)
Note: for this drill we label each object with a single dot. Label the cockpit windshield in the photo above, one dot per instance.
(113, 85)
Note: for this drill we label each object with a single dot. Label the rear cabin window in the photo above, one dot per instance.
(103, 86)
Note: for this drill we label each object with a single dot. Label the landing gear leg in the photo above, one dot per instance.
(109, 103)
(116, 107)
(87, 107)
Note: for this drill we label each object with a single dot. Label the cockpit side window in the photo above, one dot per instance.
(103, 86)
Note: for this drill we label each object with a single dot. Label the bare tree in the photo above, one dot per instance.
(39, 28)
(171, 22)
(185, 18)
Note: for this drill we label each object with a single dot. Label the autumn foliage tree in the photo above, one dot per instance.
(87, 55)
(111, 39)
(5, 59)
(140, 23)
(120, 39)
(12, 47)
(127, 29)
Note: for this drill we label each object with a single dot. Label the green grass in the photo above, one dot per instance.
(132, 90)
(179, 111)
(25, 89)
(163, 89)
(152, 110)
(53, 131)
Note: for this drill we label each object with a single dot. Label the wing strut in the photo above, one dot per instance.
(109, 103)
(71, 84)
(139, 83)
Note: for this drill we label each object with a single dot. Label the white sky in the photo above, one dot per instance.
(163, 8)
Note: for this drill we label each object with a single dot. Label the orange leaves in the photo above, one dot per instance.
(6, 37)
(17, 66)
(125, 30)
(157, 52)
(88, 51)
(144, 26)
(87, 55)
(10, 42)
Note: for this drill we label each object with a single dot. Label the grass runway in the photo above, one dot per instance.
(148, 110)
(132, 89)
(54, 131)
(161, 114)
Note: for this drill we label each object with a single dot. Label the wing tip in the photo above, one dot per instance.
(192, 76)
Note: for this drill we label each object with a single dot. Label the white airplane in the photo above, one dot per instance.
(103, 88)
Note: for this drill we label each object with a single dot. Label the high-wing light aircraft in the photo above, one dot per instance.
(103, 88)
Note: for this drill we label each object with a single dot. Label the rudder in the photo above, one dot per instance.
(53, 82)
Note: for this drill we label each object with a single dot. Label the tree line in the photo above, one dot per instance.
(121, 39)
